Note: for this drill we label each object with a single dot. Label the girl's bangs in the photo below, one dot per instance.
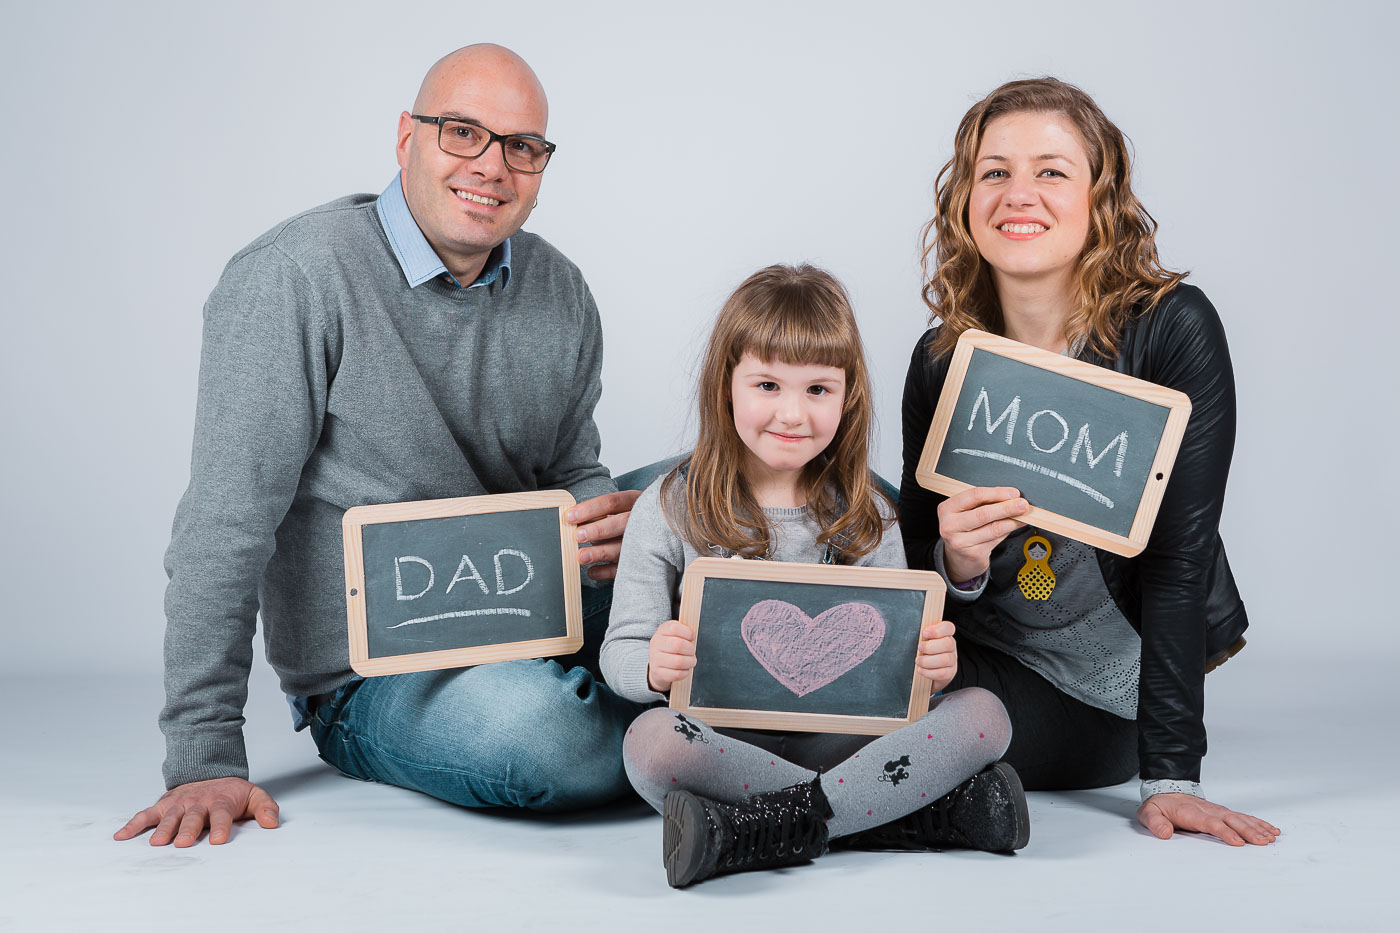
(802, 333)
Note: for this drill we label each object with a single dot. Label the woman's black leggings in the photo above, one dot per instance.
(1057, 742)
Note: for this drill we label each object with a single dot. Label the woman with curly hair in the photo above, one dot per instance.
(1037, 236)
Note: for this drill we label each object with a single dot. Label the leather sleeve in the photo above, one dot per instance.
(918, 507)
(1181, 345)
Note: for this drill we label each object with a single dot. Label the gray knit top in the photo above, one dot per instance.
(647, 590)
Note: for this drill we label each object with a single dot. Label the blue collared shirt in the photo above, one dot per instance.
(419, 262)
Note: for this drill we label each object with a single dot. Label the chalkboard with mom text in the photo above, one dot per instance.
(446, 583)
(806, 647)
(1090, 449)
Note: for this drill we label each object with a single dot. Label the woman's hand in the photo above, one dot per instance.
(1163, 813)
(972, 523)
(938, 654)
(670, 655)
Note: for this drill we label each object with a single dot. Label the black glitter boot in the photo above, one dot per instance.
(987, 812)
(703, 837)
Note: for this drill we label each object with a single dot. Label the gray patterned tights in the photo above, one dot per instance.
(868, 782)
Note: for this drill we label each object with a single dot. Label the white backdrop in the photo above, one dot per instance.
(146, 142)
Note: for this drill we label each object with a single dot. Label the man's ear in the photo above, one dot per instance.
(403, 139)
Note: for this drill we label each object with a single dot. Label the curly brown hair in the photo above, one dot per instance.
(790, 314)
(1118, 274)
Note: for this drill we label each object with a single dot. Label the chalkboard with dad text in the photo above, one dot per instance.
(446, 583)
(806, 647)
(1090, 449)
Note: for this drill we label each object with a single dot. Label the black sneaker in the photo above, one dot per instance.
(702, 837)
(987, 811)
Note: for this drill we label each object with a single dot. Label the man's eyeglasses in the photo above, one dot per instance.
(527, 154)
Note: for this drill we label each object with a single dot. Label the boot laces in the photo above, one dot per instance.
(763, 834)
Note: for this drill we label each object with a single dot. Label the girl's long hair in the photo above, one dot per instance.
(1119, 273)
(801, 316)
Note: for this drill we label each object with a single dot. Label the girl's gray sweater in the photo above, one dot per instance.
(647, 591)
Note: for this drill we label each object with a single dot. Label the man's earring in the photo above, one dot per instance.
(535, 205)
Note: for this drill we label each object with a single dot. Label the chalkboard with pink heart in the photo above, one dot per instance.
(806, 647)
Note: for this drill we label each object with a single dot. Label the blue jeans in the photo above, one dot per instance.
(512, 734)
(541, 733)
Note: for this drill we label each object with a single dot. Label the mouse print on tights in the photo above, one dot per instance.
(896, 771)
(689, 730)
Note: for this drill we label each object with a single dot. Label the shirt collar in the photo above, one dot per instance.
(419, 262)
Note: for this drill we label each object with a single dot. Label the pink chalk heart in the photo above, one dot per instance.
(805, 654)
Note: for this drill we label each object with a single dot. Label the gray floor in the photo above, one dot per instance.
(82, 754)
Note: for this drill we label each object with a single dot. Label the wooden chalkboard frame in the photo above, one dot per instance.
(352, 527)
(710, 568)
(1179, 411)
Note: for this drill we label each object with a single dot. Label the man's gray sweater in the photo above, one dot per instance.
(326, 382)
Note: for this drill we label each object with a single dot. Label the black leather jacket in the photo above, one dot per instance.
(1178, 593)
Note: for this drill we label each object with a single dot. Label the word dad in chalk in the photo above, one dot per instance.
(1011, 414)
(466, 571)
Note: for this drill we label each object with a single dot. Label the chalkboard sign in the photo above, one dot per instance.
(806, 647)
(1090, 449)
(453, 582)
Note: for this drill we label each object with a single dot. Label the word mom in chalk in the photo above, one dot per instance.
(1057, 429)
(1010, 416)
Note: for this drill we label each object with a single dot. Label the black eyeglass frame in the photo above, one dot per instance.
(549, 147)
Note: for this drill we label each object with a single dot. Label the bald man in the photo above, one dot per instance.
(414, 345)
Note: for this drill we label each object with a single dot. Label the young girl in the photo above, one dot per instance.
(779, 472)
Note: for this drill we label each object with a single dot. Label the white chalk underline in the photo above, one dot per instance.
(1089, 491)
(465, 612)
